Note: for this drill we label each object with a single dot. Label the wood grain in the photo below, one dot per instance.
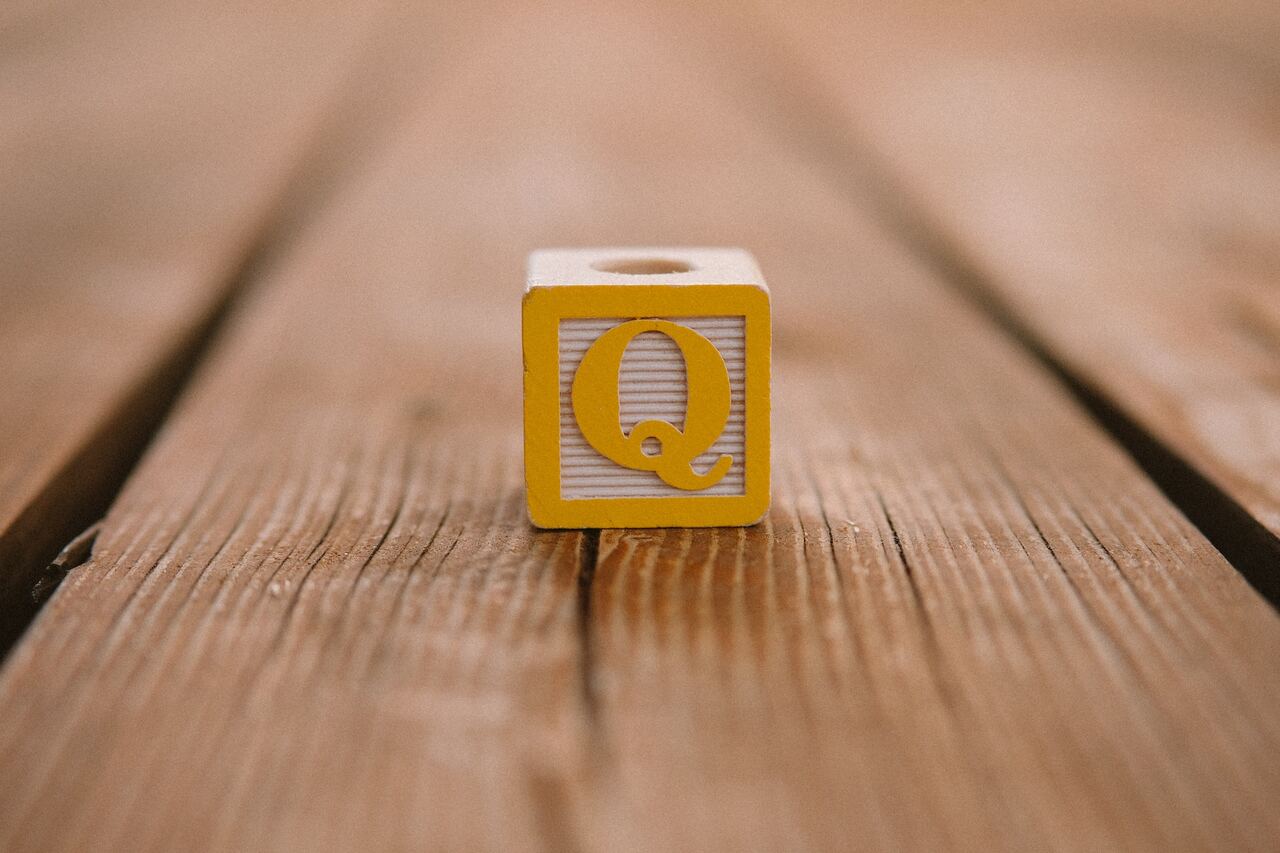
(322, 573)
(1107, 184)
(147, 148)
(970, 621)
(317, 618)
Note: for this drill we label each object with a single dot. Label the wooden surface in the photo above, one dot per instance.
(1137, 248)
(148, 151)
(315, 616)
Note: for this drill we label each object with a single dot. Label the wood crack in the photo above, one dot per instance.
(930, 634)
(76, 553)
(588, 557)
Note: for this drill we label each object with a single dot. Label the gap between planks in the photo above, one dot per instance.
(67, 508)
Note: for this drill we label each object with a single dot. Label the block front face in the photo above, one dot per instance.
(647, 405)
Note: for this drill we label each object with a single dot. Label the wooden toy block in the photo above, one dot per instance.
(646, 388)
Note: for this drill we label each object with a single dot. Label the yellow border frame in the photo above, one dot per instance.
(545, 307)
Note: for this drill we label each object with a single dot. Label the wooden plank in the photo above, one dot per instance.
(970, 622)
(166, 153)
(1108, 179)
(318, 618)
(146, 148)
(320, 595)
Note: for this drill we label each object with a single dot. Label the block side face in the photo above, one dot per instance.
(642, 265)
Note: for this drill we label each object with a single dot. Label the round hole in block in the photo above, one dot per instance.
(650, 446)
(642, 266)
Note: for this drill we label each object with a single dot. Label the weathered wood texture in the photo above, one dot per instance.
(317, 617)
(145, 149)
(1110, 180)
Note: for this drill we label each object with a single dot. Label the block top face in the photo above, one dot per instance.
(642, 265)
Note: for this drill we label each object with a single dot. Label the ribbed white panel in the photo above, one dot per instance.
(651, 385)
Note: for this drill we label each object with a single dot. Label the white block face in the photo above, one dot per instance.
(651, 385)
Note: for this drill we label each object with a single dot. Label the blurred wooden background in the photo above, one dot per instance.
(259, 276)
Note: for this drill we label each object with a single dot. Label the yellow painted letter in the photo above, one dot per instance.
(596, 407)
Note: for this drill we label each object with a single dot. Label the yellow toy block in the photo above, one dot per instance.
(646, 388)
